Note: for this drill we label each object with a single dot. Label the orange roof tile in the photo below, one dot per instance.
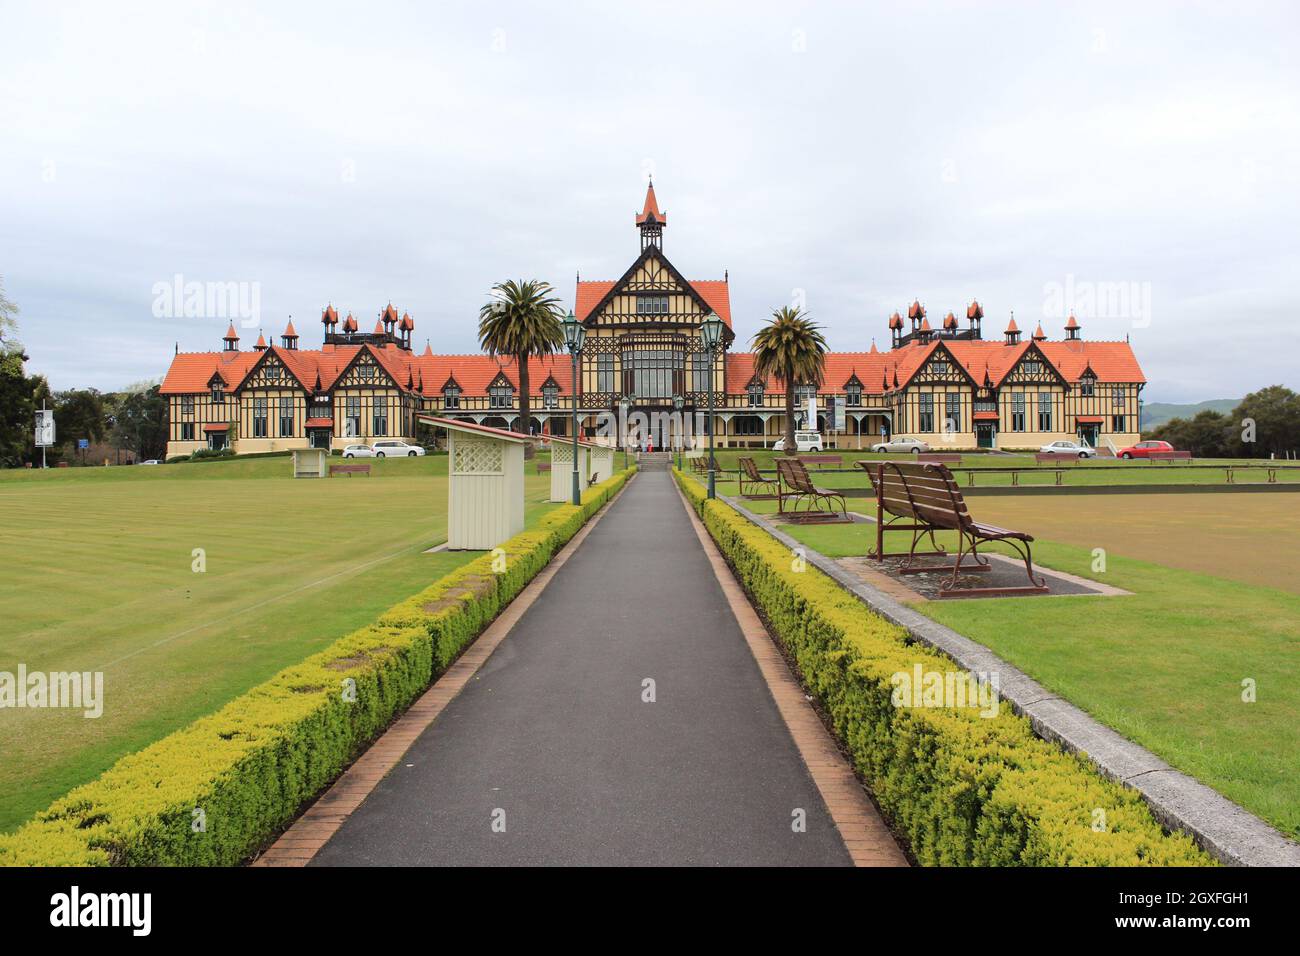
(651, 208)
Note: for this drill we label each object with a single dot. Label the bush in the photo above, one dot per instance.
(965, 790)
(250, 766)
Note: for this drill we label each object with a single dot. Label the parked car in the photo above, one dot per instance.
(151, 461)
(803, 441)
(358, 451)
(1069, 448)
(396, 447)
(901, 443)
(1144, 448)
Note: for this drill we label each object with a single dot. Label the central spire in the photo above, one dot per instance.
(651, 221)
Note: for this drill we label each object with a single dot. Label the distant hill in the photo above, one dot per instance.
(1157, 413)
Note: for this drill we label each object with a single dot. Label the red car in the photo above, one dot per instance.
(1144, 448)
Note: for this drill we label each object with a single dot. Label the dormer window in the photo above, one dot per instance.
(755, 394)
(451, 396)
(1087, 386)
(501, 396)
(853, 394)
(802, 393)
(218, 394)
(550, 396)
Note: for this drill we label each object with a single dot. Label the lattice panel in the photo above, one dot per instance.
(561, 453)
(478, 458)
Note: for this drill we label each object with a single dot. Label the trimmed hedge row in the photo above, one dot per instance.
(966, 790)
(215, 791)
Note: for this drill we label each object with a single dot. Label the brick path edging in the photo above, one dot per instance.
(865, 834)
(1228, 832)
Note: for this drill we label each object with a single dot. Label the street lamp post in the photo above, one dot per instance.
(678, 402)
(625, 406)
(711, 329)
(574, 337)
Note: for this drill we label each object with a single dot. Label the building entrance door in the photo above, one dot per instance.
(984, 434)
(1088, 435)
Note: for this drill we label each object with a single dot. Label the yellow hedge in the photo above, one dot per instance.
(966, 790)
(250, 766)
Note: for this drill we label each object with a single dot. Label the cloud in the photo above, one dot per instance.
(865, 155)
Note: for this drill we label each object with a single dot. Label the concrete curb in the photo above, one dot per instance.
(1226, 831)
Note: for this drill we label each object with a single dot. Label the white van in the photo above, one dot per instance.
(803, 441)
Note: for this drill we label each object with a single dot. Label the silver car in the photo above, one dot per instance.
(1069, 448)
(358, 451)
(901, 443)
(396, 448)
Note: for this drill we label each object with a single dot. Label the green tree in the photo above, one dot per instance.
(521, 321)
(1209, 434)
(8, 322)
(791, 349)
(17, 408)
(1274, 413)
(79, 413)
(139, 423)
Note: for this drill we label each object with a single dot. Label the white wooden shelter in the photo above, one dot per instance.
(562, 468)
(485, 484)
(601, 462)
(309, 462)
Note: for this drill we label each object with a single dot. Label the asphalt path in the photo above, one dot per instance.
(554, 755)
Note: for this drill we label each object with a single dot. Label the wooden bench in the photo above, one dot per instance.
(819, 460)
(923, 497)
(699, 465)
(543, 466)
(749, 473)
(792, 474)
(349, 470)
(944, 458)
(1169, 456)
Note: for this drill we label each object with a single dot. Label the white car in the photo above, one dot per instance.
(358, 451)
(901, 443)
(1069, 448)
(803, 441)
(151, 461)
(396, 448)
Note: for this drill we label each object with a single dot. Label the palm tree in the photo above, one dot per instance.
(522, 320)
(790, 349)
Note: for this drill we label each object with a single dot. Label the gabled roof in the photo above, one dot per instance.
(710, 294)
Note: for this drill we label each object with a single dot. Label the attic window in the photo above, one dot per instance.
(755, 394)
(1087, 386)
(550, 396)
(652, 305)
(501, 396)
(218, 394)
(939, 367)
(853, 394)
(1032, 368)
(451, 396)
(367, 372)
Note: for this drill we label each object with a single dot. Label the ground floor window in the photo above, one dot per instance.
(187, 431)
(559, 426)
(1018, 412)
(286, 417)
(380, 416)
(259, 418)
(926, 415)
(953, 412)
(1044, 411)
(352, 417)
(1117, 423)
(747, 425)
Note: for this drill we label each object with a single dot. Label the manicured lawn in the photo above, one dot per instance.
(1164, 666)
(98, 578)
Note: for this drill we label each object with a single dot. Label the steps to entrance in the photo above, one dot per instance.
(654, 460)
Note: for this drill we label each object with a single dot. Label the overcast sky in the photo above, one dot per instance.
(1142, 159)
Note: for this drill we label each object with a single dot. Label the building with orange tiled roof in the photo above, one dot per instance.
(945, 384)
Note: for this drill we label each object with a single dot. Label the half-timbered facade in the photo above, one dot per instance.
(644, 352)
